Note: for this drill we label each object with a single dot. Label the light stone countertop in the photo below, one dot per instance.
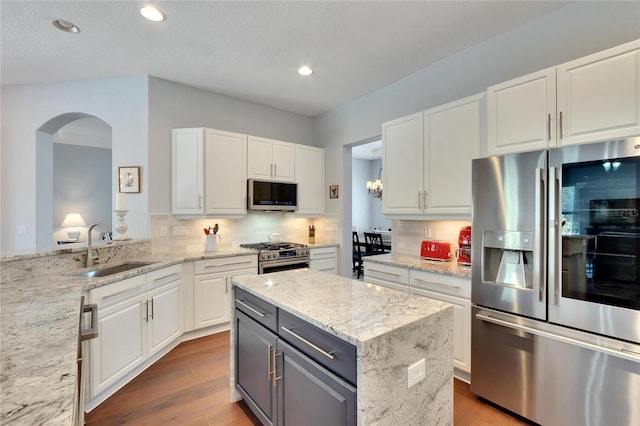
(353, 310)
(416, 262)
(39, 332)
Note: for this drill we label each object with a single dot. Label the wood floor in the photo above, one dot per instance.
(190, 386)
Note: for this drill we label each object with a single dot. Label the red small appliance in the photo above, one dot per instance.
(435, 250)
(463, 253)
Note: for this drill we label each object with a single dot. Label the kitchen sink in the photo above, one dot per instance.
(110, 270)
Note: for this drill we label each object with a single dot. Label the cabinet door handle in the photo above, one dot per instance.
(271, 169)
(419, 201)
(275, 170)
(250, 308)
(146, 316)
(438, 284)
(275, 367)
(426, 199)
(269, 363)
(152, 310)
(303, 340)
(199, 201)
(549, 127)
(561, 126)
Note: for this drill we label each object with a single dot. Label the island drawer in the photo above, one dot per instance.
(326, 349)
(261, 311)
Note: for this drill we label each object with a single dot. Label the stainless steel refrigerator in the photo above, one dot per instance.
(556, 283)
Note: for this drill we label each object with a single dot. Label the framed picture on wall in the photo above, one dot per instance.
(129, 179)
(333, 191)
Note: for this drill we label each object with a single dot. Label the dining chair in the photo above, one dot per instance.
(357, 255)
(373, 243)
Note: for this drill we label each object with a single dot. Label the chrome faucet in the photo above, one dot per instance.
(108, 238)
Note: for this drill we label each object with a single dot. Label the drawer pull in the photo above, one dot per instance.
(302, 339)
(250, 308)
(384, 273)
(157, 282)
(438, 284)
(229, 264)
(120, 293)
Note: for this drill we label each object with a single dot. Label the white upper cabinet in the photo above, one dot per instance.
(226, 173)
(426, 160)
(209, 172)
(520, 113)
(309, 175)
(402, 162)
(188, 171)
(590, 99)
(269, 159)
(452, 134)
(599, 96)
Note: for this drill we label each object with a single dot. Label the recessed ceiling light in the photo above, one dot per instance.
(67, 26)
(152, 14)
(305, 70)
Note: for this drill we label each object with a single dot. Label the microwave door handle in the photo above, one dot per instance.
(555, 253)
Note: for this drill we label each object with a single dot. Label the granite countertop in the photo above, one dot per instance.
(39, 318)
(350, 309)
(416, 262)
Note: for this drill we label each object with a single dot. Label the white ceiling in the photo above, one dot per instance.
(251, 49)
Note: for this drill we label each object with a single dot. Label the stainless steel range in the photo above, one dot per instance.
(273, 257)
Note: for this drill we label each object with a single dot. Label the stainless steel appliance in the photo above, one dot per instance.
(555, 289)
(273, 257)
(272, 196)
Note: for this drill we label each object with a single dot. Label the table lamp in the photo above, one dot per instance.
(73, 221)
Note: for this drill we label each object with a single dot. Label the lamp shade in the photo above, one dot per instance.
(73, 220)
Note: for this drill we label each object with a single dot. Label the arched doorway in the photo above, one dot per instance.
(73, 175)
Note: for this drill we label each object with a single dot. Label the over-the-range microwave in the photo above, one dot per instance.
(272, 196)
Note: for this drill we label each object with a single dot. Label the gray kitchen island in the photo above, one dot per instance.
(326, 349)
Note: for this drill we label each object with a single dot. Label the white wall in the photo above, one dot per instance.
(80, 176)
(173, 105)
(366, 211)
(120, 102)
(574, 31)
(360, 212)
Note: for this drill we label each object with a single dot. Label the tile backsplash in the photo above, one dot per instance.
(409, 234)
(253, 228)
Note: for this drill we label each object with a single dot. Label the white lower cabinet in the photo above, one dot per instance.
(324, 259)
(137, 318)
(446, 288)
(211, 286)
(456, 291)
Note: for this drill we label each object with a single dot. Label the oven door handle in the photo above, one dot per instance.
(623, 353)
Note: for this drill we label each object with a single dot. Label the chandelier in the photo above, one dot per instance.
(374, 187)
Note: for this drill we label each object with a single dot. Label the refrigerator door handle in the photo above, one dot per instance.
(619, 353)
(554, 234)
(539, 232)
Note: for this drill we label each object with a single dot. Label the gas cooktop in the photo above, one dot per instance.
(273, 246)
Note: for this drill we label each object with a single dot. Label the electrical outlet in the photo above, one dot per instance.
(415, 373)
(427, 232)
(21, 230)
(163, 231)
(179, 230)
